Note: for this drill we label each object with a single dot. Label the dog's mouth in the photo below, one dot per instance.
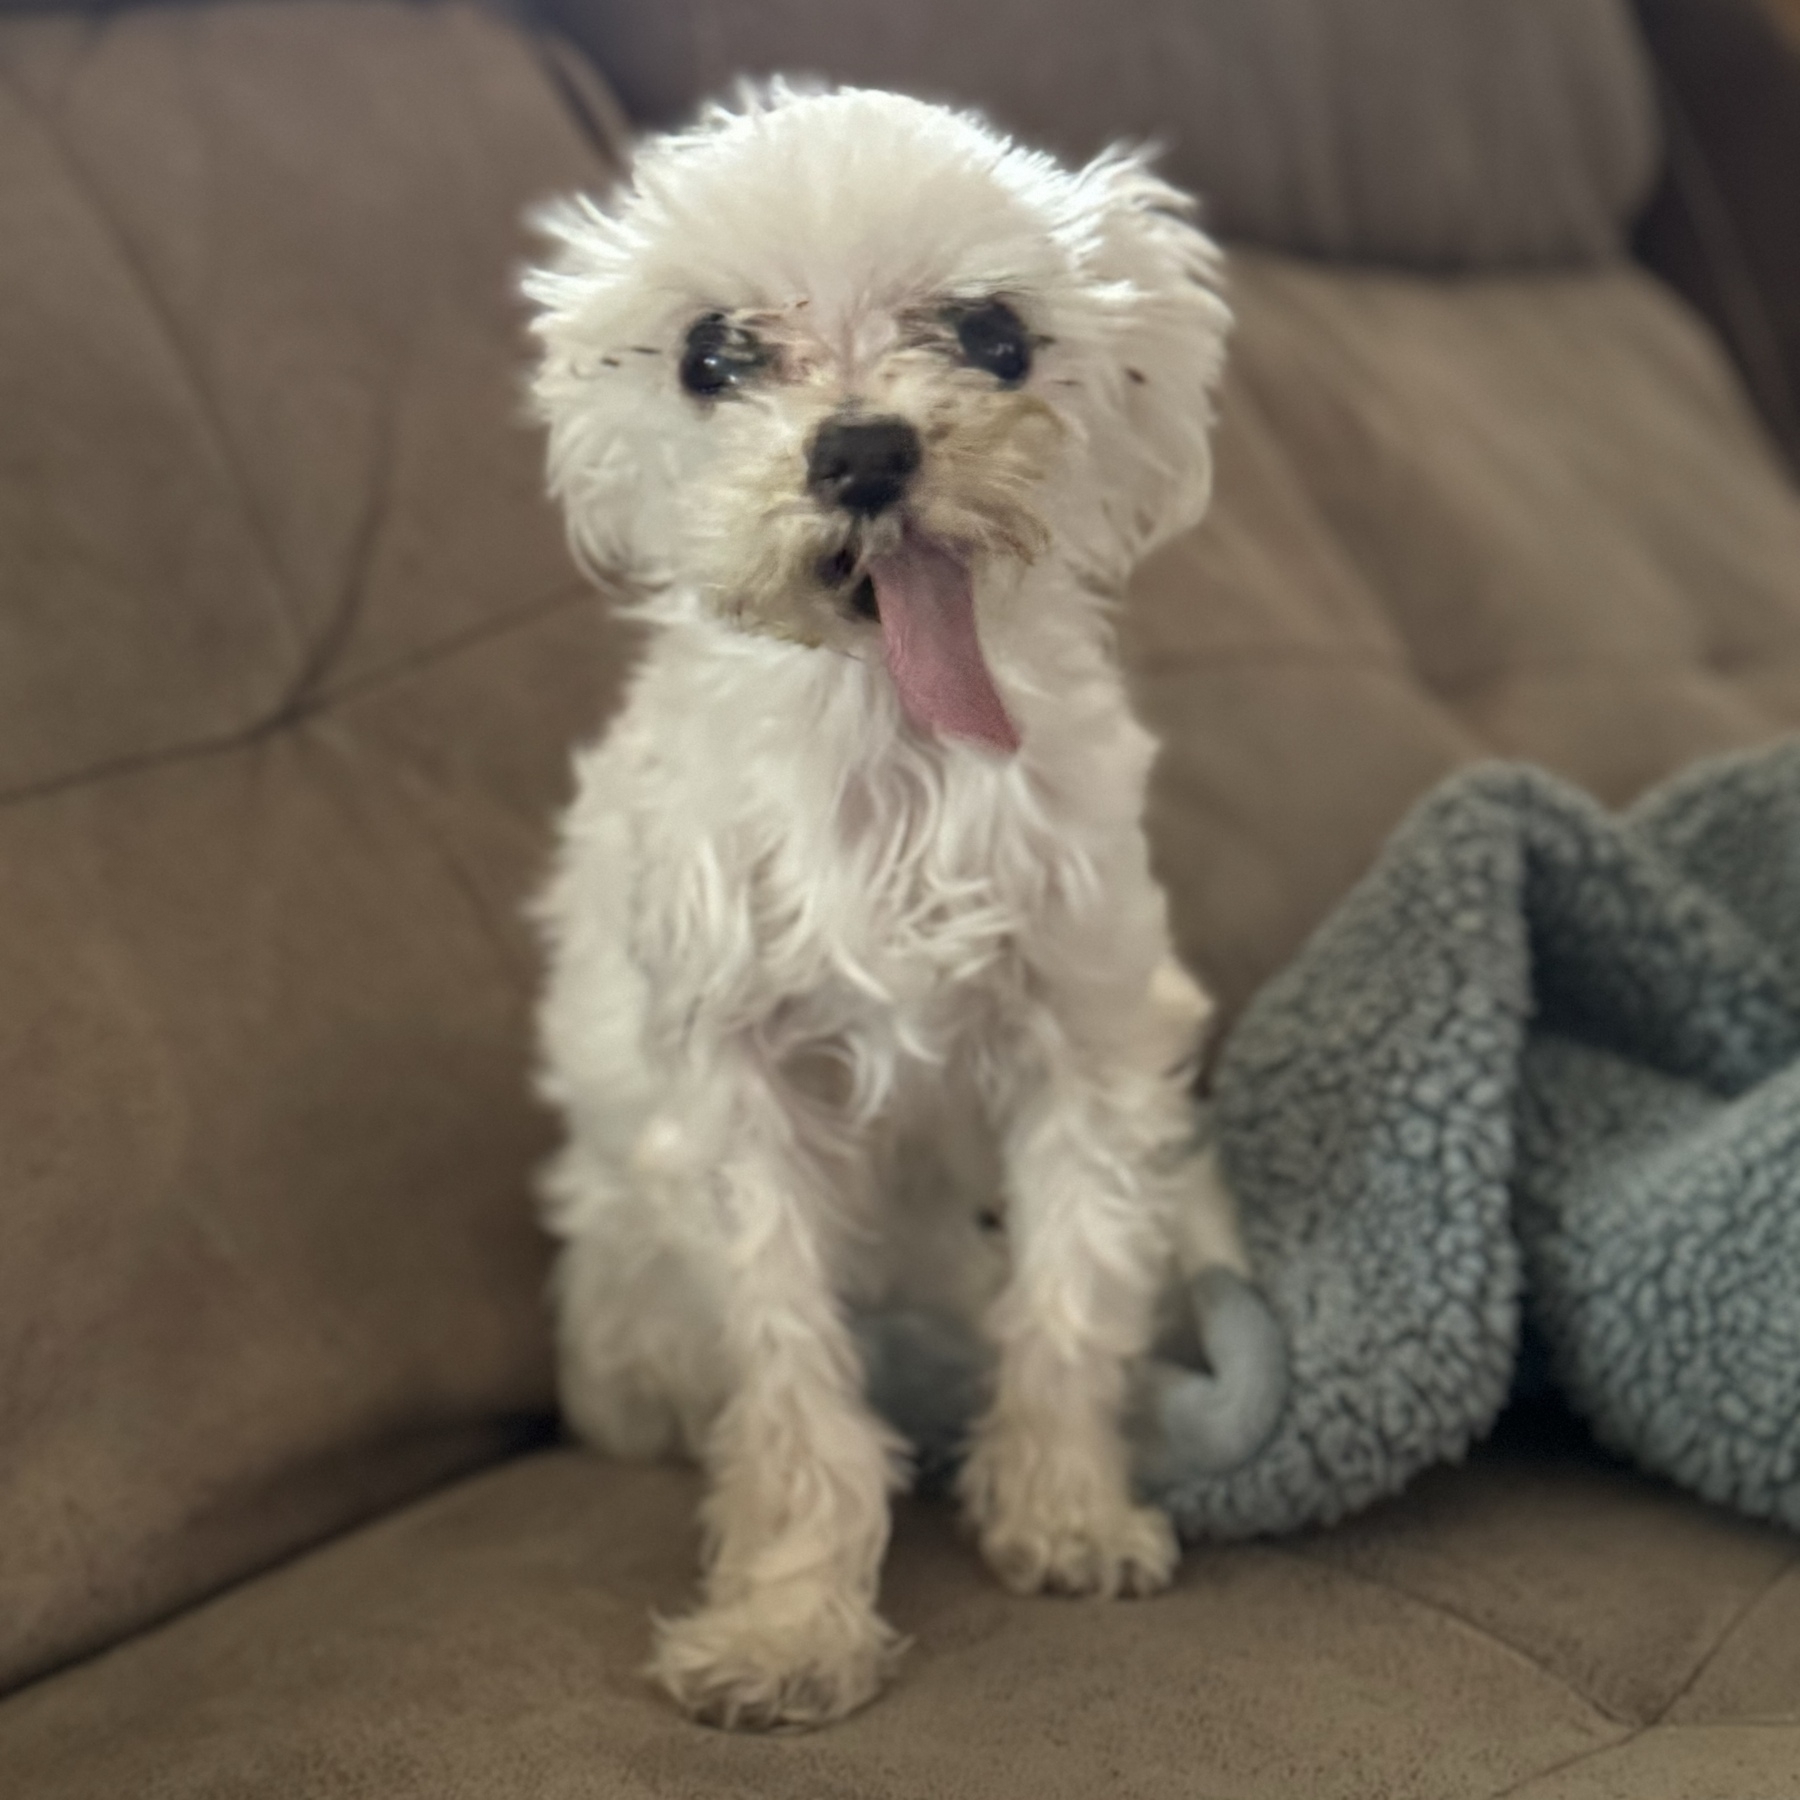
(844, 570)
(922, 595)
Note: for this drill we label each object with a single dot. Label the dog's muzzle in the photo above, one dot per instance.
(863, 465)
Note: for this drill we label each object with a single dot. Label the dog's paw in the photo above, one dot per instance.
(791, 1657)
(1124, 1551)
(1044, 1530)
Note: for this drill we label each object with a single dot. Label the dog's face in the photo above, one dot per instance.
(834, 360)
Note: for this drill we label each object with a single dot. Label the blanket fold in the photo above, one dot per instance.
(1542, 1054)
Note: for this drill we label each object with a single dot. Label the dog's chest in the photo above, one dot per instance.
(919, 885)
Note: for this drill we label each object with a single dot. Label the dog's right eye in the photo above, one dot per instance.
(717, 356)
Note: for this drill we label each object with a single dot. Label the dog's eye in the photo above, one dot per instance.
(718, 355)
(993, 337)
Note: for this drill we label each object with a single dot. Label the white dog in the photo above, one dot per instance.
(861, 986)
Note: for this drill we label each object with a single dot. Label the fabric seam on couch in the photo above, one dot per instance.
(295, 710)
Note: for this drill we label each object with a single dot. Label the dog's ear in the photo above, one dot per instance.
(1167, 323)
(595, 393)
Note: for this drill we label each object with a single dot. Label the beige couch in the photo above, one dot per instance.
(290, 660)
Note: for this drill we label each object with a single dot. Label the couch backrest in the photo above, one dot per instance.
(1433, 133)
(1529, 515)
(290, 660)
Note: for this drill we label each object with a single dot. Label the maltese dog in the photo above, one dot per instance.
(861, 990)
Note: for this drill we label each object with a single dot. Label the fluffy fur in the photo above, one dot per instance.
(843, 1011)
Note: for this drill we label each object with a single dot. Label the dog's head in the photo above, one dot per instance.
(832, 360)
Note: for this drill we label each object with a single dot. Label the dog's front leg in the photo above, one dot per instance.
(796, 1517)
(1047, 1482)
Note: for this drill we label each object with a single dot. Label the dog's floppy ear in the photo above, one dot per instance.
(592, 390)
(1165, 330)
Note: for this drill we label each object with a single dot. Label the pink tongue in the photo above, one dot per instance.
(928, 633)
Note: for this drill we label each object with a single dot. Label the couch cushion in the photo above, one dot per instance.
(1454, 133)
(260, 362)
(290, 658)
(1533, 1612)
(1526, 516)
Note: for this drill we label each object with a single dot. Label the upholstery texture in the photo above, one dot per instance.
(1451, 133)
(1534, 1625)
(290, 657)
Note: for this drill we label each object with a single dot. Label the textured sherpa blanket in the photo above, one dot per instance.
(1542, 1064)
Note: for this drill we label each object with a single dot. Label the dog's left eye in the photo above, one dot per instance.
(993, 337)
(717, 356)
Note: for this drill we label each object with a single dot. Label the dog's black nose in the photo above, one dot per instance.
(862, 465)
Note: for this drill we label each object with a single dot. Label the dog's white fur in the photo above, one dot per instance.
(826, 988)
